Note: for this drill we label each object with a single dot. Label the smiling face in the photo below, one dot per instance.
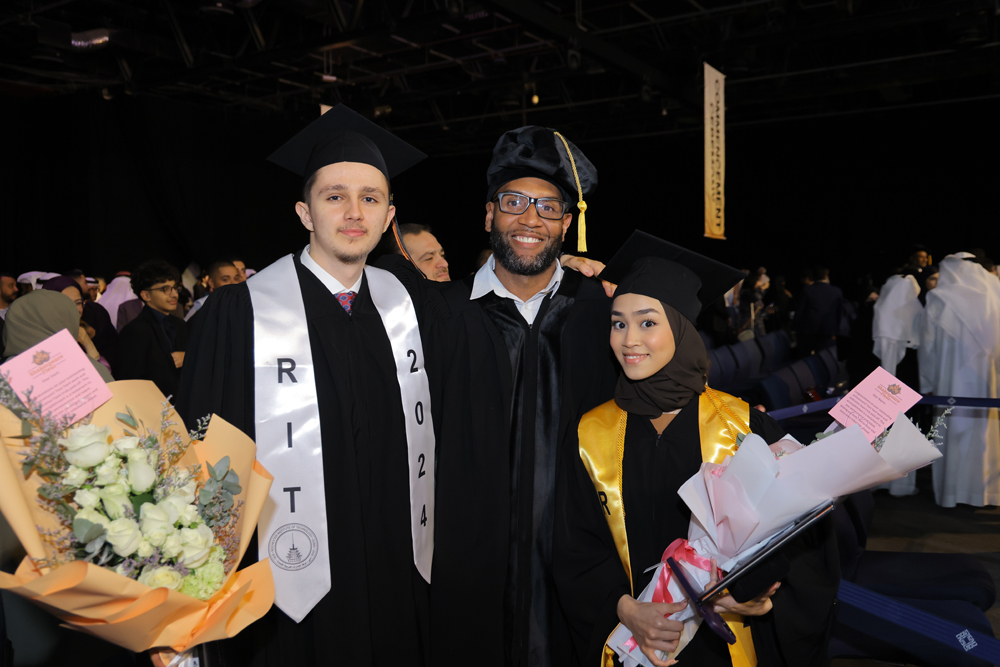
(526, 244)
(347, 212)
(161, 296)
(74, 294)
(428, 255)
(641, 337)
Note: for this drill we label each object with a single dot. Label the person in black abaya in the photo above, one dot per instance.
(376, 612)
(617, 507)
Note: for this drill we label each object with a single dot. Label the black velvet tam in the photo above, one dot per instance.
(676, 276)
(341, 135)
(536, 152)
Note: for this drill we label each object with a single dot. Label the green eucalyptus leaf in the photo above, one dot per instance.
(25, 428)
(127, 419)
(87, 531)
(221, 468)
(211, 470)
(94, 545)
(205, 497)
(233, 489)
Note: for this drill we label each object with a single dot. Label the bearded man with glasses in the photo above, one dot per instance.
(519, 352)
(151, 347)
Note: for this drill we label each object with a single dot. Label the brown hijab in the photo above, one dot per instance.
(674, 385)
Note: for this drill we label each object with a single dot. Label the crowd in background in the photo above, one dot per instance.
(136, 325)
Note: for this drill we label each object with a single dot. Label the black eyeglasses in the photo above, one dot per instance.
(166, 289)
(515, 203)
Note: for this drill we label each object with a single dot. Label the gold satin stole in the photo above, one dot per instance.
(721, 418)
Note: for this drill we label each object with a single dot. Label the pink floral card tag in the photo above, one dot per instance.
(60, 376)
(874, 403)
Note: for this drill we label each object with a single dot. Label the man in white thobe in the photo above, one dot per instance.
(959, 355)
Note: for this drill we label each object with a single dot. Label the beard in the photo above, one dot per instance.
(523, 266)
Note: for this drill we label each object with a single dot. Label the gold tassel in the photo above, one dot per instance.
(581, 232)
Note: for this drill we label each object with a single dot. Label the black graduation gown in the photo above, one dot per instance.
(376, 612)
(591, 579)
(504, 394)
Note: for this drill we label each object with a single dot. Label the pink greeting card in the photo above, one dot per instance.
(60, 376)
(874, 403)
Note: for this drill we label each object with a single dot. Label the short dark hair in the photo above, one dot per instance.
(151, 272)
(821, 273)
(215, 266)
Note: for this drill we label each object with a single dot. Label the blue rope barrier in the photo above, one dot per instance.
(827, 403)
(950, 634)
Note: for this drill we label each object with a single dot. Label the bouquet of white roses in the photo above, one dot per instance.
(109, 497)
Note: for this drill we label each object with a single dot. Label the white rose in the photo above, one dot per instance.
(190, 516)
(197, 545)
(161, 577)
(86, 498)
(92, 515)
(122, 570)
(123, 478)
(87, 445)
(156, 523)
(75, 476)
(177, 503)
(172, 545)
(171, 508)
(107, 472)
(141, 475)
(124, 536)
(145, 549)
(125, 444)
(184, 495)
(115, 499)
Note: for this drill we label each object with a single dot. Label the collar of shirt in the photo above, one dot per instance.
(328, 281)
(486, 281)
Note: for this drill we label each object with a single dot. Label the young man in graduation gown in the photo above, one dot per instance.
(319, 358)
(520, 351)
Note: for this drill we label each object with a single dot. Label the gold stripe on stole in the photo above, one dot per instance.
(602, 446)
(720, 418)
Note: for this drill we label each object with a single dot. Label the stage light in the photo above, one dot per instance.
(534, 99)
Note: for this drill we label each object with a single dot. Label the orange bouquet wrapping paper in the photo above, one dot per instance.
(120, 610)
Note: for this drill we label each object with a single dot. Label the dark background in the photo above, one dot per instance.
(103, 185)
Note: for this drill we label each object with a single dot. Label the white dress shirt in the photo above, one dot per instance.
(486, 281)
(328, 281)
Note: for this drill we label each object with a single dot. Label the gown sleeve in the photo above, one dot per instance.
(218, 376)
(795, 633)
(589, 575)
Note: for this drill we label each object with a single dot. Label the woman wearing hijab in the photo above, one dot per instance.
(617, 507)
(38, 315)
(84, 333)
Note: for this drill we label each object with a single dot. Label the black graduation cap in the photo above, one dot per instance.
(541, 152)
(676, 276)
(341, 135)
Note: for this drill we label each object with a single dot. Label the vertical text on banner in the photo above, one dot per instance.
(715, 153)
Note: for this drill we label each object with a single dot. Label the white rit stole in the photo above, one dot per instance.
(292, 530)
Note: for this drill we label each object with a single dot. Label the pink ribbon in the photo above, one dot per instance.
(681, 552)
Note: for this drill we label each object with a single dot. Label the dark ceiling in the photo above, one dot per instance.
(452, 75)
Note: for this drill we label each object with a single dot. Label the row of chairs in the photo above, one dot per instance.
(743, 364)
(815, 377)
(761, 368)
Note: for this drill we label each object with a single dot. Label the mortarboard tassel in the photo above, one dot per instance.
(581, 232)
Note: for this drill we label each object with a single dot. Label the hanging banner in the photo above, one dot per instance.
(715, 153)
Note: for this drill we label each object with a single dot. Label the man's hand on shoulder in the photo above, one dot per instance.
(588, 267)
